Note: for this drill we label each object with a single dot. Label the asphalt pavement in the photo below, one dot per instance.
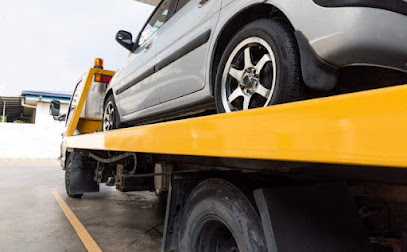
(32, 220)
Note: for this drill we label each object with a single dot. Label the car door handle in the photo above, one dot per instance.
(148, 46)
(202, 3)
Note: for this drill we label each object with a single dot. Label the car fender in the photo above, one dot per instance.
(227, 12)
(232, 8)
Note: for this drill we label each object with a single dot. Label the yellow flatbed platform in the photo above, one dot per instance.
(363, 128)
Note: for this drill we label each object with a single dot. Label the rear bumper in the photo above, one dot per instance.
(397, 6)
(359, 36)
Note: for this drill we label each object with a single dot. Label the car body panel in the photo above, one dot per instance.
(344, 36)
(187, 74)
(227, 13)
(226, 2)
(368, 37)
(144, 93)
(181, 107)
(340, 36)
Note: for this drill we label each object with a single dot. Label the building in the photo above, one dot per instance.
(36, 105)
(31, 106)
(29, 130)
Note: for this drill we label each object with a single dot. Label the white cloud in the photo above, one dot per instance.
(48, 44)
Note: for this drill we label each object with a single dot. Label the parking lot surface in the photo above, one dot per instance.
(32, 220)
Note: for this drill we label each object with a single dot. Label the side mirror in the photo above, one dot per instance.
(54, 108)
(125, 39)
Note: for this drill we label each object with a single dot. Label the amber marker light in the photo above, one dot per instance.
(98, 63)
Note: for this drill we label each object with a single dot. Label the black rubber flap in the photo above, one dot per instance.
(82, 177)
(310, 218)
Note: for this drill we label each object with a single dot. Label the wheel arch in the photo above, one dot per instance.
(108, 93)
(235, 23)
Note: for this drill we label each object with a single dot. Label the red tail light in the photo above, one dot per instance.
(106, 78)
(102, 78)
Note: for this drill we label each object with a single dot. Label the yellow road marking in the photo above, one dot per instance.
(80, 230)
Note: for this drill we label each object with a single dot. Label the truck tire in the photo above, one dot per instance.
(259, 67)
(80, 175)
(68, 171)
(218, 217)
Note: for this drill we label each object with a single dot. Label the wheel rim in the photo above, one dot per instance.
(213, 235)
(108, 116)
(249, 76)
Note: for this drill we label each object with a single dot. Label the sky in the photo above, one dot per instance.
(46, 45)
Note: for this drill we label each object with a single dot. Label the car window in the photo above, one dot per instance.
(156, 21)
(181, 4)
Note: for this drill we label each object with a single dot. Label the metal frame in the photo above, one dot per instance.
(73, 124)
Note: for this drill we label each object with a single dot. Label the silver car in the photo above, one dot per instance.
(194, 56)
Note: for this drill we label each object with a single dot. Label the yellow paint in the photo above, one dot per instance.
(364, 128)
(80, 230)
(89, 125)
(78, 109)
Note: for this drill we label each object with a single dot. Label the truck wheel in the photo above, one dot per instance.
(111, 119)
(218, 217)
(260, 67)
(68, 171)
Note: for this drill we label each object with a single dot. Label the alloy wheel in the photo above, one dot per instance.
(108, 116)
(249, 76)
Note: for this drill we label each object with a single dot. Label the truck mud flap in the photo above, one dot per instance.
(82, 175)
(310, 218)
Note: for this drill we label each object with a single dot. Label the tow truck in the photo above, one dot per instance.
(326, 174)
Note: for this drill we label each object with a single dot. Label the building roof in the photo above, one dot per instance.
(32, 97)
(59, 94)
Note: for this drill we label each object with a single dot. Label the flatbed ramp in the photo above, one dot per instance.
(363, 128)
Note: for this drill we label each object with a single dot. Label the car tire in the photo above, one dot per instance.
(218, 217)
(111, 119)
(68, 171)
(271, 76)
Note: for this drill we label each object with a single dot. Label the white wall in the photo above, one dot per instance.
(29, 140)
(42, 116)
(39, 140)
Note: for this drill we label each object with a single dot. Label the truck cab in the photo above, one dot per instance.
(91, 115)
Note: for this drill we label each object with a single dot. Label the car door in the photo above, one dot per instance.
(182, 48)
(137, 88)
